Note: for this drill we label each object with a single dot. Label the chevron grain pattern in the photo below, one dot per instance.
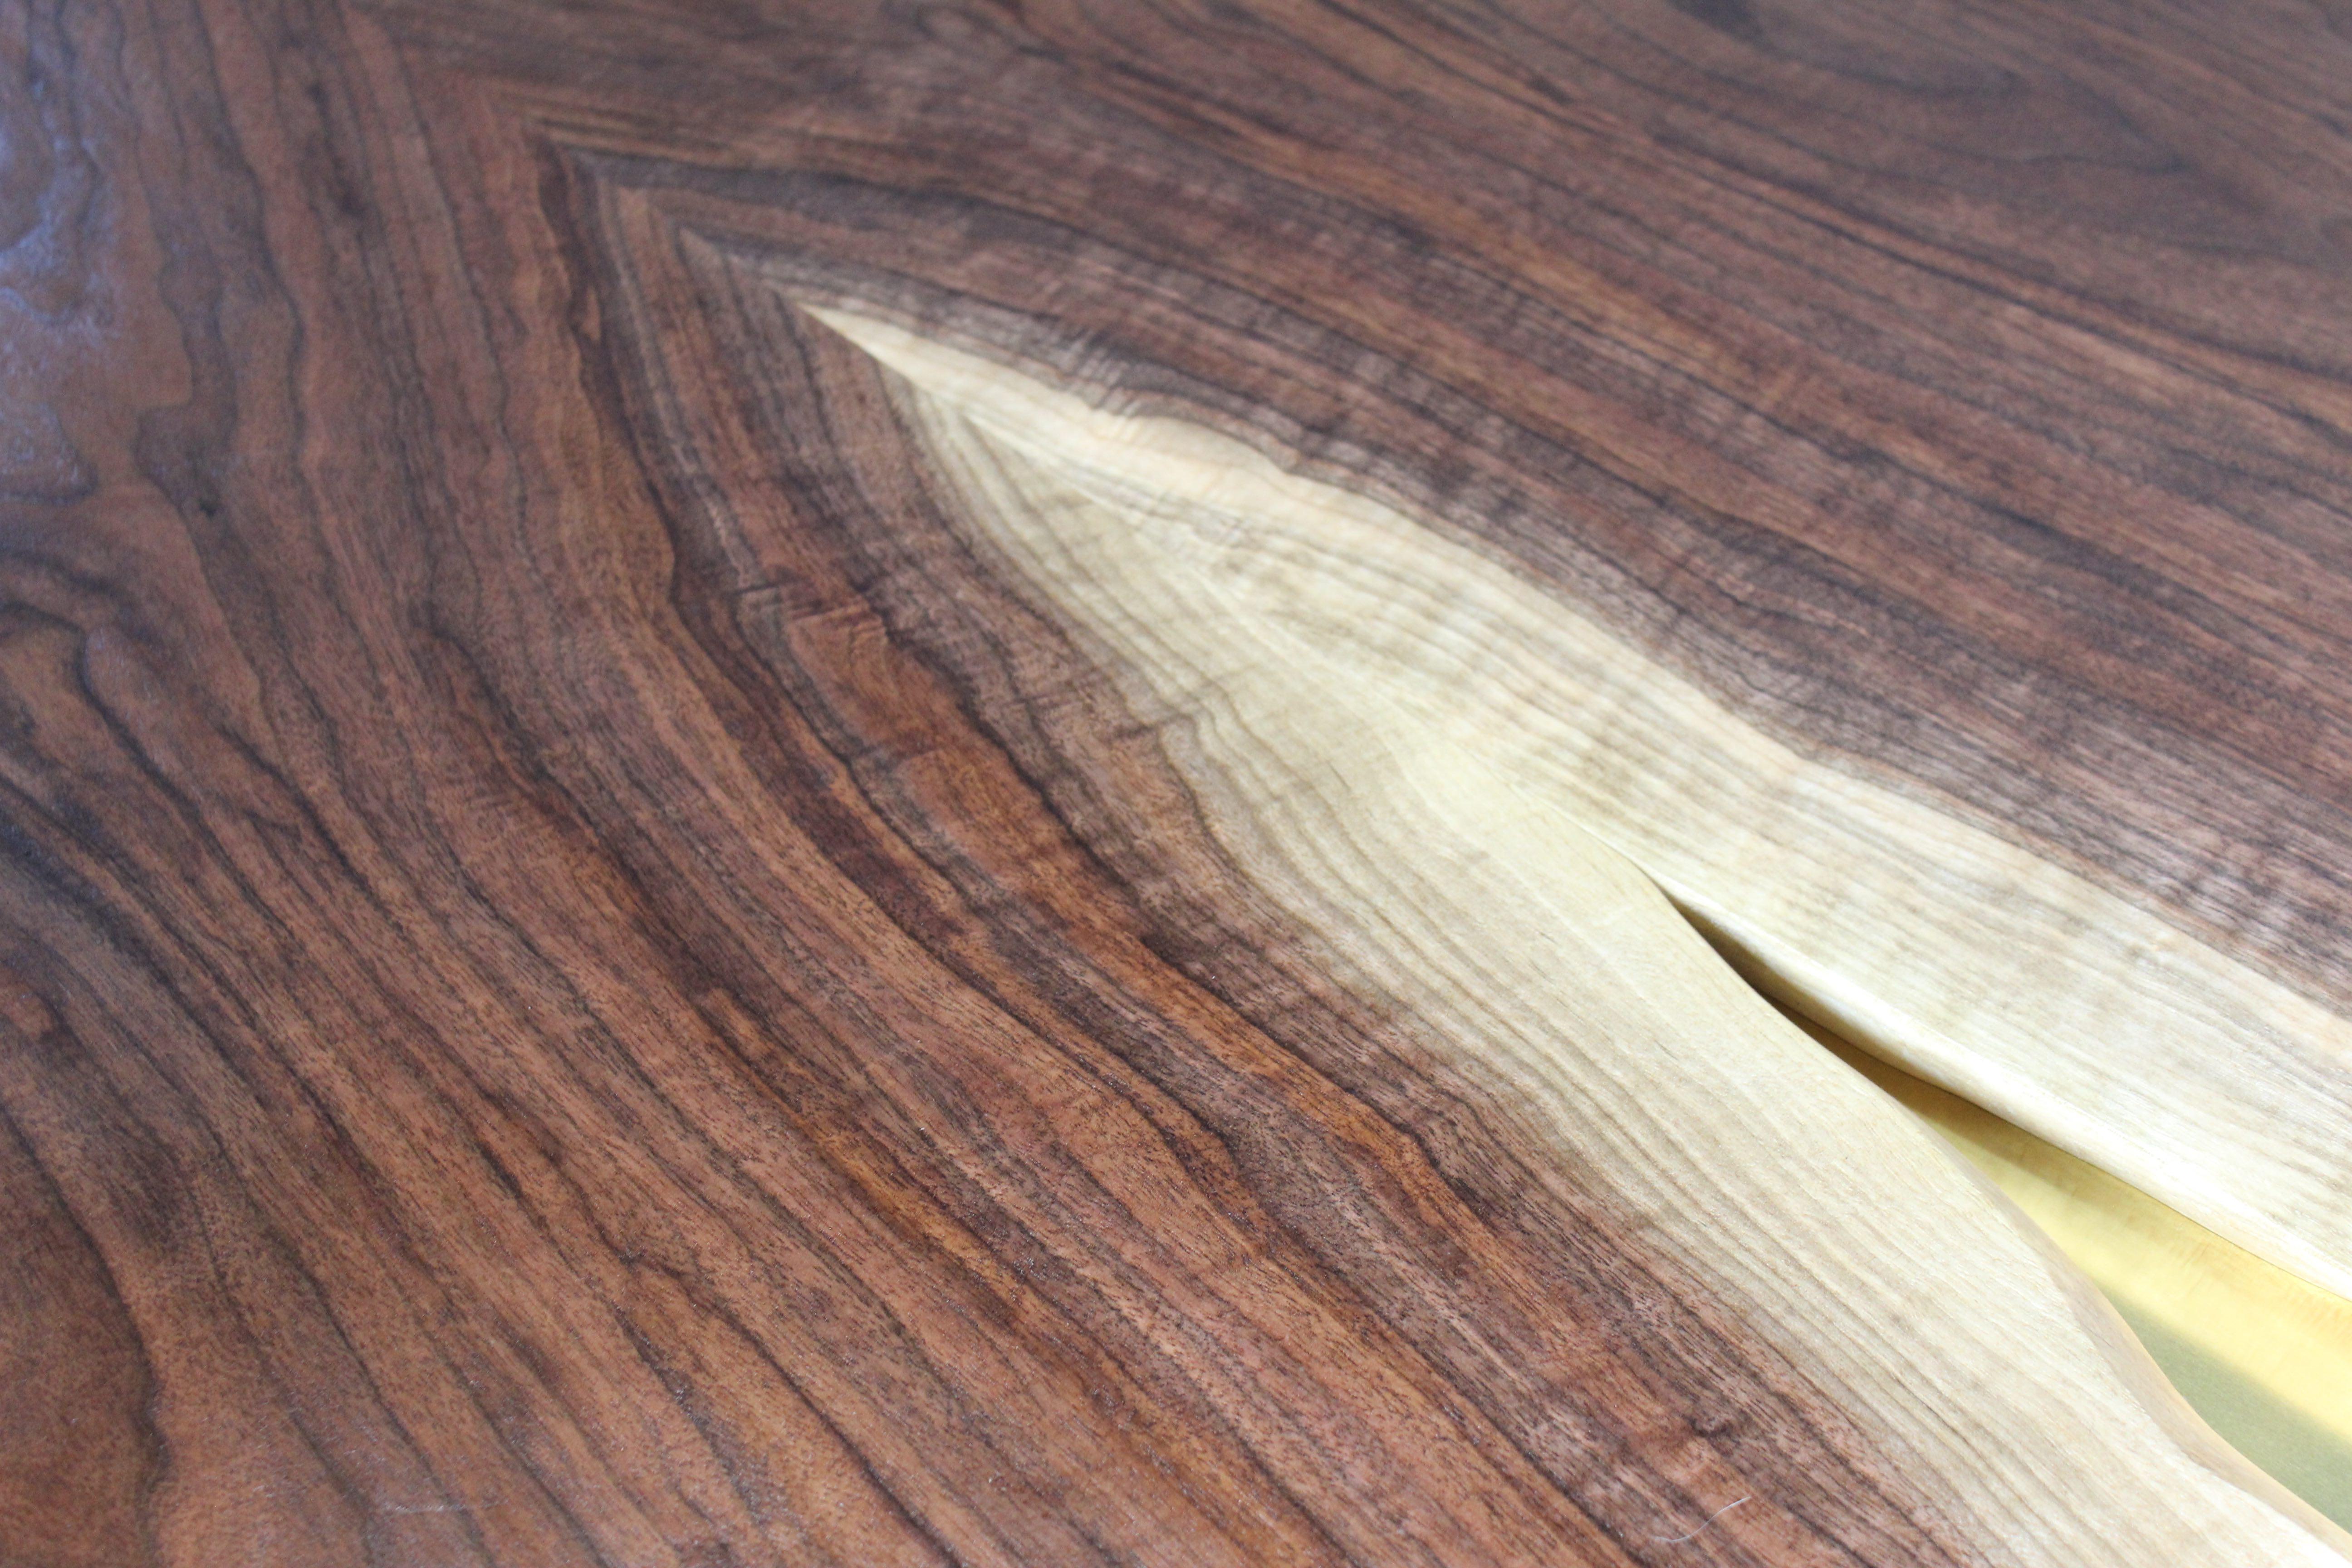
(835, 784)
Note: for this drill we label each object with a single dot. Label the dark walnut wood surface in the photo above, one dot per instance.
(586, 980)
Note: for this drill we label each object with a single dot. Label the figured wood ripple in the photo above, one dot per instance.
(583, 982)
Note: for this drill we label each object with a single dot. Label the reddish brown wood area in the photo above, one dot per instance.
(584, 982)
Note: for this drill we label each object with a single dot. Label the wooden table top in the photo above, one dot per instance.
(1007, 781)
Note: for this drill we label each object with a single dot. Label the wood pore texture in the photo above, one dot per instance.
(893, 783)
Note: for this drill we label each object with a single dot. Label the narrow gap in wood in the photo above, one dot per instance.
(2263, 1356)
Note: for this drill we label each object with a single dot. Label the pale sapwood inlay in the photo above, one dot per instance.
(1382, 769)
(1976, 964)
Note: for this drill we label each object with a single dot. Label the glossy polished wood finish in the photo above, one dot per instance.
(586, 981)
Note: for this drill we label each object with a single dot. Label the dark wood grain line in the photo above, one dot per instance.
(78, 1457)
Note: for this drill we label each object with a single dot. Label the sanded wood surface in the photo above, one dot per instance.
(927, 783)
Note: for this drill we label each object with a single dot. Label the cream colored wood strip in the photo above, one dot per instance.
(1371, 723)
(2007, 979)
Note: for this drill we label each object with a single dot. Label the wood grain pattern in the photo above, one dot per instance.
(1936, 944)
(1380, 813)
(596, 969)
